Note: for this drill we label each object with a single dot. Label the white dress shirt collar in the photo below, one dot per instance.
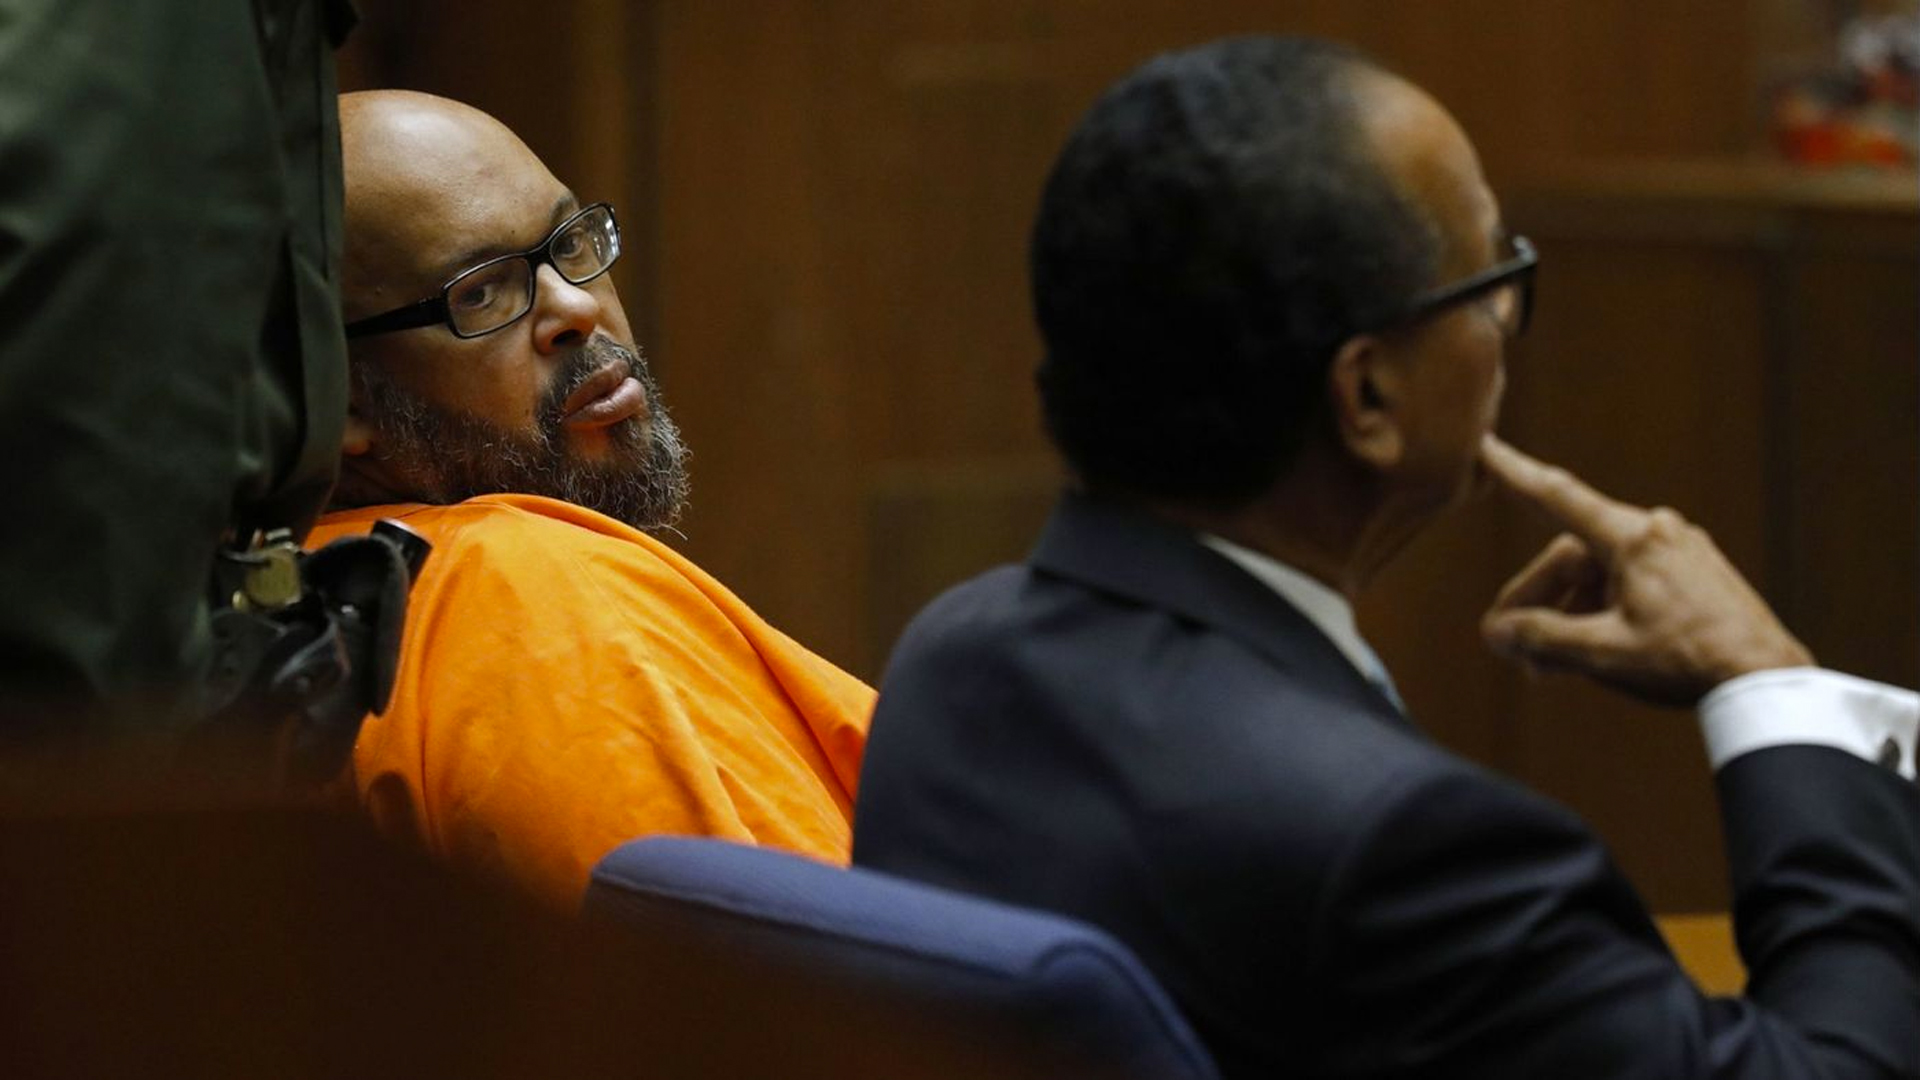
(1324, 607)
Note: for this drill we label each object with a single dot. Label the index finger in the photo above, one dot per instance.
(1602, 522)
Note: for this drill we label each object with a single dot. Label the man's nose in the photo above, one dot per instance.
(565, 315)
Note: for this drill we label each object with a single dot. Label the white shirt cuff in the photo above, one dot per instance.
(1811, 707)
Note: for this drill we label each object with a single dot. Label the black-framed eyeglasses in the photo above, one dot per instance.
(496, 293)
(1507, 286)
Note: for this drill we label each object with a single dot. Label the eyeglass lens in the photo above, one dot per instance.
(494, 294)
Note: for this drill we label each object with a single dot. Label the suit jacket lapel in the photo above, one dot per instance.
(1123, 552)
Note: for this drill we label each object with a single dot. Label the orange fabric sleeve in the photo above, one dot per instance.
(567, 684)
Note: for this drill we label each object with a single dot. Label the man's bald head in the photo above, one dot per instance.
(421, 171)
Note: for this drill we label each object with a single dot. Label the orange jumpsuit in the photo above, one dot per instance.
(568, 683)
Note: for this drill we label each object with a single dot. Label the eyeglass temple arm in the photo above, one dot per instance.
(424, 313)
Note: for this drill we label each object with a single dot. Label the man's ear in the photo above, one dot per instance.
(1363, 396)
(357, 437)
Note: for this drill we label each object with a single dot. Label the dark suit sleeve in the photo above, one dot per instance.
(1479, 930)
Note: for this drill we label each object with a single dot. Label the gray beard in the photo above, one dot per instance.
(450, 456)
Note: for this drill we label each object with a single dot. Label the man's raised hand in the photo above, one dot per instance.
(1637, 599)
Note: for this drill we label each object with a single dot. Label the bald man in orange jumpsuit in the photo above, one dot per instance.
(567, 681)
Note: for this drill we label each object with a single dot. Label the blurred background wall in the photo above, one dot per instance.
(827, 203)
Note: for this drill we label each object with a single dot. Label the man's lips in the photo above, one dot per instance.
(612, 395)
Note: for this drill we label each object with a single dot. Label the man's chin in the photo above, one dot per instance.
(623, 440)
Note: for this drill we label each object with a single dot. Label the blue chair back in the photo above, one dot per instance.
(767, 964)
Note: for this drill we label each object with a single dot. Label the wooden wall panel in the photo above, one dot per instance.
(1849, 410)
(951, 122)
(758, 362)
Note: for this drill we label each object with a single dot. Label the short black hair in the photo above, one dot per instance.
(1212, 232)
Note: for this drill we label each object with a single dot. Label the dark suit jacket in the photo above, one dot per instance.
(1132, 730)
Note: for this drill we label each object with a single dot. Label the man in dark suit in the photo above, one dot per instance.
(1274, 290)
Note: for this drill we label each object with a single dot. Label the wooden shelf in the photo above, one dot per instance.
(1755, 184)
